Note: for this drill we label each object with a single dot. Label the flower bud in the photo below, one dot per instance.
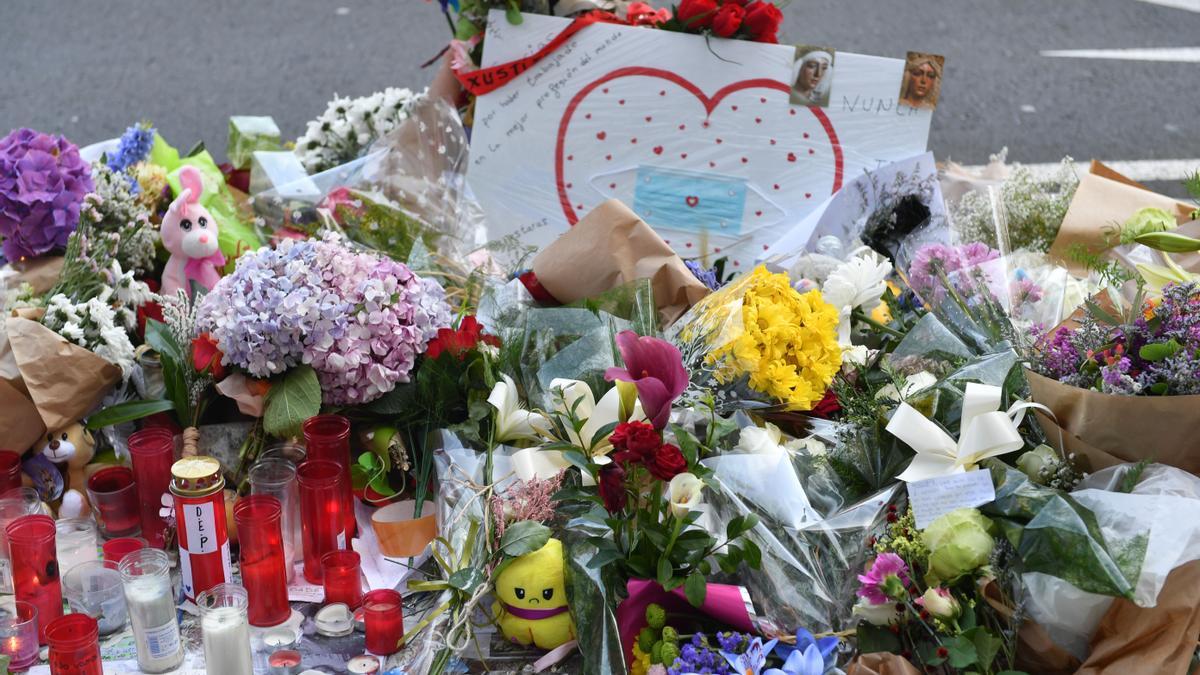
(1032, 462)
(941, 604)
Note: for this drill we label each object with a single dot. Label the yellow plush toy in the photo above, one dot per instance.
(532, 605)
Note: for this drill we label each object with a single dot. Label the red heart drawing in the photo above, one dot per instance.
(601, 135)
(791, 156)
(692, 201)
(709, 104)
(658, 149)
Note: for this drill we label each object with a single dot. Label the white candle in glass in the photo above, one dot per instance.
(75, 542)
(226, 630)
(150, 600)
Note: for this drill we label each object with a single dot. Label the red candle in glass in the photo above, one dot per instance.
(340, 572)
(264, 571)
(74, 645)
(384, 616)
(116, 549)
(35, 567)
(10, 470)
(114, 497)
(153, 453)
(328, 437)
(321, 512)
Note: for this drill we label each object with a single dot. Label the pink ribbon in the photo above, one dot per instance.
(195, 266)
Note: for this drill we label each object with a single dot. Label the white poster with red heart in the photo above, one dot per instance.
(697, 136)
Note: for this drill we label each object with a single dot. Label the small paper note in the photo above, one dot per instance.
(938, 496)
(302, 591)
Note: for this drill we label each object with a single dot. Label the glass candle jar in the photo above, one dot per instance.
(10, 470)
(116, 549)
(74, 646)
(328, 437)
(94, 588)
(276, 476)
(19, 635)
(263, 566)
(321, 505)
(114, 499)
(197, 486)
(35, 567)
(341, 576)
(226, 630)
(11, 508)
(31, 497)
(153, 452)
(384, 617)
(151, 385)
(75, 541)
(292, 452)
(146, 580)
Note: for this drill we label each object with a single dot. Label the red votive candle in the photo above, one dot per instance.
(116, 549)
(19, 635)
(114, 498)
(264, 570)
(10, 470)
(153, 453)
(382, 612)
(328, 437)
(341, 577)
(74, 645)
(35, 567)
(321, 517)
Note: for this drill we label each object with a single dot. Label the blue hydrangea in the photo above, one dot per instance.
(708, 277)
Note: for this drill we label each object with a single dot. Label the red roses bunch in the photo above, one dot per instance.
(758, 20)
(637, 444)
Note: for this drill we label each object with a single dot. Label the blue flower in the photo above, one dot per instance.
(753, 660)
(825, 646)
(134, 147)
(708, 277)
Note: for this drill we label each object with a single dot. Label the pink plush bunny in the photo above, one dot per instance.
(189, 233)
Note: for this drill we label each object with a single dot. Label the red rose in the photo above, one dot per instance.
(206, 357)
(827, 407)
(728, 19)
(667, 463)
(696, 14)
(612, 487)
(634, 442)
(739, 3)
(762, 21)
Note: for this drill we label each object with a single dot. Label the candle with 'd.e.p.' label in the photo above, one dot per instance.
(204, 561)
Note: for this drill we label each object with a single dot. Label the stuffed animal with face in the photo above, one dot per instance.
(189, 233)
(532, 599)
(71, 449)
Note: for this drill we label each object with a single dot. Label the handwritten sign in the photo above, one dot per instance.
(697, 136)
(938, 496)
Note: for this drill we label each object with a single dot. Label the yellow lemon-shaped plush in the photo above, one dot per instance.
(532, 604)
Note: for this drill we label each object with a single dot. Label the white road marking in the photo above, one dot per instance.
(1188, 5)
(1136, 169)
(1171, 54)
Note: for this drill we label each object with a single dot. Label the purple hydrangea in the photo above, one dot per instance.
(43, 181)
(706, 276)
(359, 319)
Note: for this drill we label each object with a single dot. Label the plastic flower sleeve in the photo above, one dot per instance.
(593, 600)
(1164, 536)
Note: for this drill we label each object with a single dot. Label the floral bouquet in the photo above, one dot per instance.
(320, 316)
(349, 125)
(759, 343)
(43, 182)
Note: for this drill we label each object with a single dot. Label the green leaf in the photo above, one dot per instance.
(513, 14)
(603, 557)
(128, 412)
(601, 434)
(962, 651)
(524, 537)
(1158, 351)
(291, 400)
(466, 579)
(695, 588)
(174, 362)
(752, 554)
(1100, 314)
(872, 638)
(665, 570)
(986, 646)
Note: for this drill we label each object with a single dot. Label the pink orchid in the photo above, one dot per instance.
(886, 580)
(656, 368)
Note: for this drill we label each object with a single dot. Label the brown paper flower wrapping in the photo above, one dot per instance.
(40, 273)
(612, 246)
(1107, 429)
(65, 381)
(881, 663)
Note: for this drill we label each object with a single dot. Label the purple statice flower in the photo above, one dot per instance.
(1059, 358)
(708, 276)
(43, 181)
(698, 657)
(1115, 379)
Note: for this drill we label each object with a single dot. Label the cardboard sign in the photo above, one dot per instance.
(938, 496)
(698, 137)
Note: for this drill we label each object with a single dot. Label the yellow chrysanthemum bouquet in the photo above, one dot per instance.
(762, 343)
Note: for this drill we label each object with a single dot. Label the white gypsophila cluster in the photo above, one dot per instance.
(115, 211)
(348, 126)
(94, 325)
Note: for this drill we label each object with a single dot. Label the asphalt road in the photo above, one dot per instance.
(88, 69)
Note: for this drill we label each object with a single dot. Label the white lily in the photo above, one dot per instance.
(577, 396)
(684, 493)
(513, 423)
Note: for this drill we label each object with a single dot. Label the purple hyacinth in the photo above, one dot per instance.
(43, 181)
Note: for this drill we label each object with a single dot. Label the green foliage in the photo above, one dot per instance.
(524, 537)
(292, 399)
(128, 412)
(1033, 209)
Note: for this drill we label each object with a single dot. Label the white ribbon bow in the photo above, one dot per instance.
(984, 431)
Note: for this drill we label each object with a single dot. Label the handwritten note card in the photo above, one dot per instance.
(697, 136)
(938, 496)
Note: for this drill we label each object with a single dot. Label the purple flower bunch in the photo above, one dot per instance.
(1157, 353)
(697, 656)
(933, 260)
(359, 319)
(43, 181)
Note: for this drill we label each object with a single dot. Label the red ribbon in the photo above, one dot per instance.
(485, 80)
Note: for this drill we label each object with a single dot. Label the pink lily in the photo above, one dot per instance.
(656, 369)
